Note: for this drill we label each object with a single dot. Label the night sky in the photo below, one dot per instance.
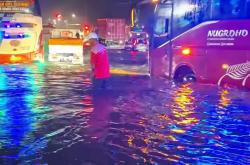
(91, 8)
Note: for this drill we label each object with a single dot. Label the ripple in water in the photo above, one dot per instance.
(50, 115)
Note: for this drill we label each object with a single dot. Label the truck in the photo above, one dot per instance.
(112, 31)
(66, 46)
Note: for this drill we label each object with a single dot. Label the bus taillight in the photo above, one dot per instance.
(186, 51)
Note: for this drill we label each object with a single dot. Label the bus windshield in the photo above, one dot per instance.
(20, 6)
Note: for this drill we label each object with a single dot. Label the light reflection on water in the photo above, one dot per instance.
(224, 99)
(49, 114)
(18, 97)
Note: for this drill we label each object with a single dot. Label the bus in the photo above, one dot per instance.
(20, 31)
(202, 40)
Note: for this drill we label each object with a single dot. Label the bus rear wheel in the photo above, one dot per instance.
(184, 75)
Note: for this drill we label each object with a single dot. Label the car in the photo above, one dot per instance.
(129, 46)
(141, 46)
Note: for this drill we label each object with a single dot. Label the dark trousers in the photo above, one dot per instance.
(100, 83)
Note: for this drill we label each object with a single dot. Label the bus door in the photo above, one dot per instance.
(161, 56)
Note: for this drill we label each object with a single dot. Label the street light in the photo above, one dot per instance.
(155, 1)
(133, 15)
(73, 15)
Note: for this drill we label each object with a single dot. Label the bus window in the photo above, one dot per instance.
(248, 9)
(161, 31)
(184, 17)
(229, 9)
(35, 8)
(162, 21)
(220, 9)
(161, 26)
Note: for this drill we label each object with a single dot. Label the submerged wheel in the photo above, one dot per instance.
(184, 75)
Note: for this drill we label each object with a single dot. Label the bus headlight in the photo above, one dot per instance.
(14, 59)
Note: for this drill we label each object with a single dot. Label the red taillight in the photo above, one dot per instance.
(186, 52)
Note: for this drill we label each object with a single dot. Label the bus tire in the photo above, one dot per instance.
(184, 74)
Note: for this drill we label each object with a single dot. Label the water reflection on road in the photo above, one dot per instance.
(50, 115)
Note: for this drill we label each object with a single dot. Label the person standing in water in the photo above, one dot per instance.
(99, 61)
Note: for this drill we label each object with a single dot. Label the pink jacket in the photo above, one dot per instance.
(100, 61)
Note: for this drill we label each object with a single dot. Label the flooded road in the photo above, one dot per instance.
(50, 115)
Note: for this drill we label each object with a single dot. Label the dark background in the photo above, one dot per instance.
(86, 9)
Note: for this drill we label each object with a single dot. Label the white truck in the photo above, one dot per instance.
(66, 46)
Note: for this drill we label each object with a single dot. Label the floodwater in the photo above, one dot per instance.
(50, 115)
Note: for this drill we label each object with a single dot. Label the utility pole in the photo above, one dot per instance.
(85, 11)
